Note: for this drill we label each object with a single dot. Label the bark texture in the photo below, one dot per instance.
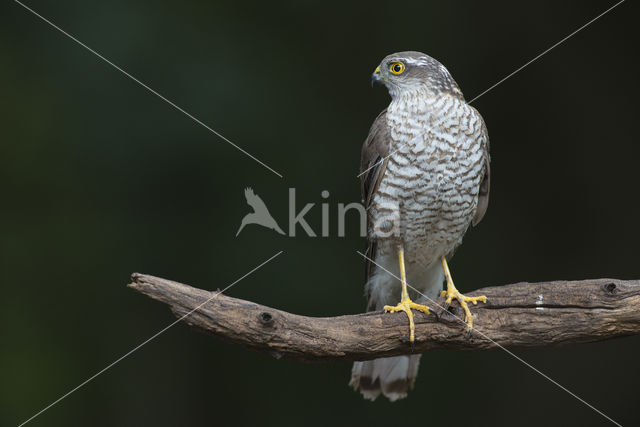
(521, 314)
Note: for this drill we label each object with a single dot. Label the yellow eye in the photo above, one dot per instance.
(396, 67)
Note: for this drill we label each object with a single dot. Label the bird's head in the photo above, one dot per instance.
(409, 72)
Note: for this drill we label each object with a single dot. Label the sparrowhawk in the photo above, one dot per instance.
(425, 179)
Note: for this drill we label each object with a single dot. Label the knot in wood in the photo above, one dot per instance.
(266, 318)
(610, 288)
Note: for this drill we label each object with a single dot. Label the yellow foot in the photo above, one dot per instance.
(452, 293)
(406, 305)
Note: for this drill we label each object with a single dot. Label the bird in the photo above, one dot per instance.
(260, 214)
(425, 178)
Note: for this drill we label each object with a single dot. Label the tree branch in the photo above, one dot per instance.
(522, 314)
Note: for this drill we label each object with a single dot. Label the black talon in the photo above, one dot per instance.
(444, 309)
(469, 332)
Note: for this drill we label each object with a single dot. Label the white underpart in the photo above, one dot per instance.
(432, 182)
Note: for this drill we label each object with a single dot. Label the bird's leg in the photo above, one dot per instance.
(405, 303)
(452, 293)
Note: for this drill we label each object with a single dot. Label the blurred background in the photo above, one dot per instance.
(99, 178)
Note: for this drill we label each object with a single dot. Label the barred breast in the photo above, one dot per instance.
(432, 180)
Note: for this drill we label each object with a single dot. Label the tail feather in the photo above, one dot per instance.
(391, 376)
(394, 376)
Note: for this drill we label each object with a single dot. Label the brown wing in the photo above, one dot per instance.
(483, 196)
(373, 163)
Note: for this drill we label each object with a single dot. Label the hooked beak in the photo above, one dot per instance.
(375, 77)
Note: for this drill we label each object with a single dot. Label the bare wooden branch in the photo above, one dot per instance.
(522, 314)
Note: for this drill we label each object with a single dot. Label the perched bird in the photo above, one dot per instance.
(260, 214)
(425, 179)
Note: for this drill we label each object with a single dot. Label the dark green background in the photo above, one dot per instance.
(99, 178)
